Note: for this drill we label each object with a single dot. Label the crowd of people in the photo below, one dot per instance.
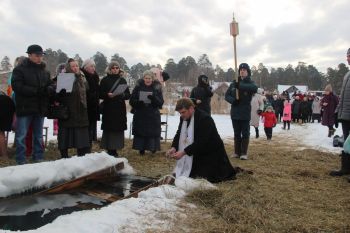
(197, 146)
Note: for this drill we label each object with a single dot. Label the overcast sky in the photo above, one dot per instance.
(274, 32)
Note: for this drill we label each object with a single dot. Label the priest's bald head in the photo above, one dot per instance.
(185, 107)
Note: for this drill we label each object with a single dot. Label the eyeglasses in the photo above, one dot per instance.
(115, 68)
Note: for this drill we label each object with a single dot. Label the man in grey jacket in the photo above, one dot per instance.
(343, 115)
(343, 109)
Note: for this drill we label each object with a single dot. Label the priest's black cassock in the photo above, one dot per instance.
(210, 160)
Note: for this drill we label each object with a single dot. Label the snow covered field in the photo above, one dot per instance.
(311, 135)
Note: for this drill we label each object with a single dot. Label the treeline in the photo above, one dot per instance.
(187, 69)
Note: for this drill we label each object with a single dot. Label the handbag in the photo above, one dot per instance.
(60, 112)
(102, 104)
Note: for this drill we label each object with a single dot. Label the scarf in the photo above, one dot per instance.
(184, 165)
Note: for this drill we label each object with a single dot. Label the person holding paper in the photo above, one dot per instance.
(74, 132)
(146, 100)
(113, 91)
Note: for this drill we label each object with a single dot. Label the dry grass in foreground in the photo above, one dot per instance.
(290, 191)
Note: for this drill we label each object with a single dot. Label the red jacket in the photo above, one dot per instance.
(269, 119)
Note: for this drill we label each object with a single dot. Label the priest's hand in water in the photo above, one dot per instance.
(179, 154)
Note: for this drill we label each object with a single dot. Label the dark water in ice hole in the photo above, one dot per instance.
(33, 211)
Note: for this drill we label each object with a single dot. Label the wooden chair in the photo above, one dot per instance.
(164, 113)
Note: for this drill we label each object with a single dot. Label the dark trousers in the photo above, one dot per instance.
(241, 129)
(346, 128)
(286, 123)
(268, 132)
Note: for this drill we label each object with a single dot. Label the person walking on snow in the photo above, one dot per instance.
(270, 121)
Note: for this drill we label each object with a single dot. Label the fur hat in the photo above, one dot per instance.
(269, 107)
(244, 66)
(328, 88)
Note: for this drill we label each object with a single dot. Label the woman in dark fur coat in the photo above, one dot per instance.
(146, 100)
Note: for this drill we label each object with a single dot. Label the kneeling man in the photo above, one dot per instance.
(197, 146)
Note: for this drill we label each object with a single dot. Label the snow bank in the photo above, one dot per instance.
(17, 179)
(154, 209)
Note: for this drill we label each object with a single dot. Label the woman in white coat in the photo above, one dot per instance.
(257, 104)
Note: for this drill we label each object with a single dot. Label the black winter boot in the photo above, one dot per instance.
(244, 149)
(345, 165)
(112, 153)
(82, 151)
(238, 145)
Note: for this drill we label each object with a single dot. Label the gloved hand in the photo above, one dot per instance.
(150, 97)
(336, 121)
(62, 92)
(259, 111)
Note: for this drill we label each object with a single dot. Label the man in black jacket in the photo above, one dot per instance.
(32, 86)
(197, 146)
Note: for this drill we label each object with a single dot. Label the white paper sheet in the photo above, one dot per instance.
(120, 89)
(143, 96)
(65, 81)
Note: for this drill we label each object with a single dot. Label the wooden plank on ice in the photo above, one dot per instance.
(98, 175)
(161, 181)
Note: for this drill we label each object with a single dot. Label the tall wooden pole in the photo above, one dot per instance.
(234, 31)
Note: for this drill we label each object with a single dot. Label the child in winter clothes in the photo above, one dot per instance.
(270, 121)
(287, 114)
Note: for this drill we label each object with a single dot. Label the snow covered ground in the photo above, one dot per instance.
(155, 208)
(311, 135)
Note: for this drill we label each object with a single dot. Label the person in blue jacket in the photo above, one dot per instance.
(241, 109)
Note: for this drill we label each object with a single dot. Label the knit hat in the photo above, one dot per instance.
(244, 66)
(328, 88)
(348, 53)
